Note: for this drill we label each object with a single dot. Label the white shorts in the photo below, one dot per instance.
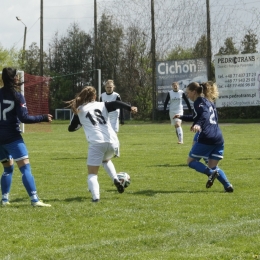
(174, 120)
(99, 152)
(114, 123)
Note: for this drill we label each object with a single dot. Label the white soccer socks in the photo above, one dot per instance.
(110, 169)
(93, 186)
(180, 134)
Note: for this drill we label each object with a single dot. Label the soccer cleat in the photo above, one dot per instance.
(40, 204)
(229, 188)
(180, 143)
(96, 200)
(5, 203)
(211, 179)
(120, 187)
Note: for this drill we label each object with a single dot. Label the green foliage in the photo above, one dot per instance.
(179, 53)
(239, 112)
(249, 42)
(229, 48)
(61, 91)
(109, 47)
(200, 49)
(166, 212)
(9, 58)
(70, 65)
(32, 61)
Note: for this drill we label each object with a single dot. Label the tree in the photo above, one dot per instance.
(136, 71)
(249, 42)
(180, 54)
(32, 60)
(200, 49)
(229, 47)
(8, 58)
(70, 63)
(109, 44)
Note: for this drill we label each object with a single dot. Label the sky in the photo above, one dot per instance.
(57, 16)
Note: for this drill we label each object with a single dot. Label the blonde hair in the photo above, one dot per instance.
(87, 94)
(108, 82)
(207, 89)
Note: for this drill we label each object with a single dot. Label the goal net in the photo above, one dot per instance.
(36, 92)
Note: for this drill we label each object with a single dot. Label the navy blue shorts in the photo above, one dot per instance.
(16, 150)
(205, 151)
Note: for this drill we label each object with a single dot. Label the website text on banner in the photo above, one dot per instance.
(181, 71)
(238, 80)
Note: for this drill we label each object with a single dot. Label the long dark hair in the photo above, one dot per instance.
(10, 84)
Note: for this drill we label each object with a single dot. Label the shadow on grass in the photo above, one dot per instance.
(69, 158)
(247, 159)
(154, 192)
(79, 199)
(169, 165)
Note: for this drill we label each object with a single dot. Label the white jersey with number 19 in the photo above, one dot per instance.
(94, 120)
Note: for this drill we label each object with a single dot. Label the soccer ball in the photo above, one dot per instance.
(124, 178)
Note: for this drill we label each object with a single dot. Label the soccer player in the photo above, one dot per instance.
(175, 97)
(102, 139)
(13, 110)
(210, 142)
(109, 96)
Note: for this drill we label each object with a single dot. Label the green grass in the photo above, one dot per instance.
(166, 212)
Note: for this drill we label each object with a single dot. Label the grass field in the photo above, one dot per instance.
(166, 212)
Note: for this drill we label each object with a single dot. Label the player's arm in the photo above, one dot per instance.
(121, 115)
(186, 101)
(23, 114)
(200, 113)
(166, 102)
(187, 118)
(114, 105)
(74, 123)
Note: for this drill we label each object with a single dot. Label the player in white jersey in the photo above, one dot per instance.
(175, 97)
(109, 96)
(102, 139)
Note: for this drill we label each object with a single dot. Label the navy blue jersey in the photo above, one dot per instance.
(12, 113)
(205, 115)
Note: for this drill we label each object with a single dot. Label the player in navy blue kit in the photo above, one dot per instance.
(210, 143)
(13, 111)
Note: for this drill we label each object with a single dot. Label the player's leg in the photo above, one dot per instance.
(179, 130)
(93, 184)
(96, 154)
(109, 166)
(6, 179)
(214, 158)
(176, 123)
(19, 153)
(114, 121)
(197, 152)
(195, 140)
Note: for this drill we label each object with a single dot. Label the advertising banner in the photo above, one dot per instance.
(238, 80)
(181, 71)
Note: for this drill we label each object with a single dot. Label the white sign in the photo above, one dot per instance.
(182, 71)
(238, 80)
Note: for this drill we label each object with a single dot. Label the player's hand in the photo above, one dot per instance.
(176, 116)
(134, 110)
(50, 117)
(195, 128)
